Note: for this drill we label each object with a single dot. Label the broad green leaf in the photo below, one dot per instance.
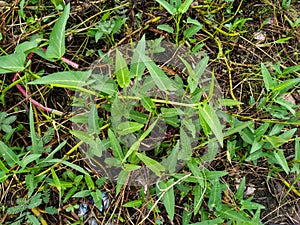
(193, 21)
(104, 84)
(171, 9)
(168, 197)
(208, 114)
(291, 69)
(192, 30)
(12, 63)
(137, 67)
(134, 204)
(275, 141)
(185, 6)
(186, 149)
(56, 182)
(153, 165)
(129, 127)
(286, 104)
(215, 201)
(56, 48)
(239, 195)
(261, 130)
(133, 148)
(286, 85)
(138, 117)
(150, 128)
(170, 162)
(229, 213)
(9, 156)
(115, 145)
(31, 219)
(229, 102)
(28, 159)
(162, 81)
(82, 194)
(194, 167)
(121, 180)
(169, 112)
(190, 126)
(121, 71)
(89, 182)
(281, 160)
(66, 78)
(59, 4)
(93, 125)
(27, 46)
(200, 68)
(166, 27)
(148, 104)
(269, 83)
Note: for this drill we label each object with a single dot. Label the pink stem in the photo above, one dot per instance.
(34, 102)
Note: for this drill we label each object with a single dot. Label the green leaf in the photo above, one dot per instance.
(291, 69)
(28, 159)
(82, 194)
(229, 102)
(166, 27)
(89, 182)
(186, 150)
(170, 162)
(93, 125)
(286, 85)
(269, 83)
(66, 78)
(148, 104)
(9, 156)
(208, 114)
(115, 145)
(281, 160)
(229, 213)
(162, 81)
(121, 71)
(200, 68)
(31, 219)
(198, 198)
(171, 9)
(215, 201)
(59, 4)
(137, 67)
(168, 197)
(56, 182)
(169, 112)
(192, 30)
(56, 48)
(240, 191)
(134, 204)
(153, 165)
(185, 6)
(129, 127)
(12, 63)
(34, 141)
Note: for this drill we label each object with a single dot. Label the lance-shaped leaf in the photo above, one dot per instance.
(122, 72)
(56, 48)
(153, 165)
(208, 114)
(9, 156)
